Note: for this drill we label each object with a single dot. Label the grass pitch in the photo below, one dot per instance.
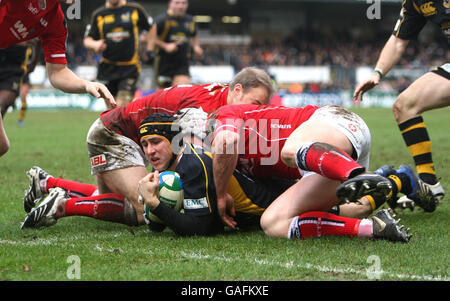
(87, 249)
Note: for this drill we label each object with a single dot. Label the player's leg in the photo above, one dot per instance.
(24, 89)
(4, 141)
(124, 181)
(319, 145)
(41, 182)
(110, 207)
(180, 75)
(430, 91)
(301, 213)
(7, 98)
(118, 163)
(313, 193)
(181, 79)
(126, 89)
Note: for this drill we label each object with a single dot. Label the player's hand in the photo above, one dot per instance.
(198, 50)
(100, 46)
(365, 86)
(171, 47)
(148, 58)
(148, 188)
(225, 206)
(99, 90)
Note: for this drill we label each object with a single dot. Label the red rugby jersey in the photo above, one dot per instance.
(126, 120)
(263, 130)
(22, 20)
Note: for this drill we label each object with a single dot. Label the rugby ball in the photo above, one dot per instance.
(171, 193)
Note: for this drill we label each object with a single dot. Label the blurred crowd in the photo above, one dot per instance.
(336, 49)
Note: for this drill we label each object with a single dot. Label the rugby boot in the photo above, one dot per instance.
(420, 193)
(367, 183)
(38, 178)
(386, 227)
(44, 214)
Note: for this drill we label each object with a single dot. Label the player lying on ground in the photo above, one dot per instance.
(117, 159)
(193, 164)
(322, 147)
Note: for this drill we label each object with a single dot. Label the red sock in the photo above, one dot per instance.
(74, 189)
(328, 161)
(318, 223)
(107, 207)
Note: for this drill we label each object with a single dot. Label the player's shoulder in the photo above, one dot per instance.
(101, 10)
(162, 17)
(195, 160)
(188, 18)
(135, 5)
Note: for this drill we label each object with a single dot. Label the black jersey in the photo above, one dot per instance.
(175, 29)
(415, 13)
(120, 28)
(251, 197)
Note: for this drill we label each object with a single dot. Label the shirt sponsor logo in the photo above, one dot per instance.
(44, 22)
(195, 203)
(98, 160)
(428, 9)
(280, 126)
(19, 30)
(33, 9)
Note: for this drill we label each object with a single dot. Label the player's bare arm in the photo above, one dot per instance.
(98, 46)
(196, 46)
(389, 56)
(151, 38)
(167, 47)
(64, 79)
(224, 162)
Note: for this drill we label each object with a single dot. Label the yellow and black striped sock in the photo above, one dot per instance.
(22, 111)
(399, 184)
(416, 137)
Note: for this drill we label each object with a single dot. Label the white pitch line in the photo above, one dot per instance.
(324, 269)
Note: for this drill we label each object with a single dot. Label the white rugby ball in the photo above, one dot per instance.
(171, 193)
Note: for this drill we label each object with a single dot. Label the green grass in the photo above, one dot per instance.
(56, 142)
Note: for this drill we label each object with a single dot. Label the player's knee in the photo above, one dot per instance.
(405, 107)
(270, 224)
(265, 223)
(4, 147)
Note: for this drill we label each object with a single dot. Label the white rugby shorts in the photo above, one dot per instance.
(351, 125)
(110, 151)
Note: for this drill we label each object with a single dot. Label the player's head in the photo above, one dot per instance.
(156, 134)
(251, 86)
(178, 7)
(113, 3)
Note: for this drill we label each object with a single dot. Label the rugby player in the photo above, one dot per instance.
(194, 165)
(117, 159)
(162, 140)
(114, 33)
(322, 147)
(21, 21)
(177, 39)
(430, 91)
